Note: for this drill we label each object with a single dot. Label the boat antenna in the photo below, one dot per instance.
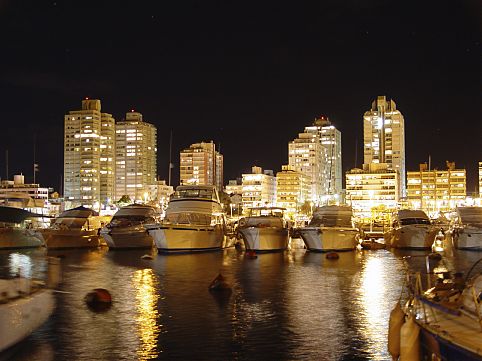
(170, 158)
(6, 163)
(35, 165)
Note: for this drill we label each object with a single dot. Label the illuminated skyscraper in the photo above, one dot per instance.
(331, 140)
(259, 189)
(88, 155)
(136, 157)
(480, 179)
(293, 189)
(384, 137)
(201, 164)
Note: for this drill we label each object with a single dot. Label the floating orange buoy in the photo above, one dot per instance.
(219, 284)
(332, 255)
(98, 300)
(251, 254)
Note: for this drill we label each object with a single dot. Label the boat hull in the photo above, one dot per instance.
(434, 345)
(56, 239)
(470, 238)
(265, 239)
(20, 317)
(187, 238)
(19, 238)
(411, 237)
(127, 238)
(324, 239)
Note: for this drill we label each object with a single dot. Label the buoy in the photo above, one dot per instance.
(146, 256)
(409, 341)
(98, 300)
(397, 317)
(219, 284)
(332, 255)
(251, 254)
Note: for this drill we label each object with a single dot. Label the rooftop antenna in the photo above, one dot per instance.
(6, 163)
(35, 165)
(170, 158)
(429, 162)
(356, 152)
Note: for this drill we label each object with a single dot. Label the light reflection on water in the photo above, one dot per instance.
(293, 305)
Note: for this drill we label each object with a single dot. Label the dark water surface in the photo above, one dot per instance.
(294, 305)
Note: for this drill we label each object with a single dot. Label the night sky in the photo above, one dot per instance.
(247, 75)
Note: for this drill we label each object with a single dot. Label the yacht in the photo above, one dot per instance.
(25, 304)
(126, 229)
(264, 229)
(466, 231)
(411, 229)
(75, 228)
(194, 221)
(331, 229)
(17, 229)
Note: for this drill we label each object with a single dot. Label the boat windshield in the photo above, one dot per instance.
(200, 219)
(193, 193)
(266, 212)
(409, 221)
(331, 220)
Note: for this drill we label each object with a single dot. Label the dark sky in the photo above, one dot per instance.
(248, 75)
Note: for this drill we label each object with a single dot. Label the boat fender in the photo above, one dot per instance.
(251, 254)
(146, 256)
(98, 300)
(409, 341)
(332, 255)
(397, 318)
(219, 284)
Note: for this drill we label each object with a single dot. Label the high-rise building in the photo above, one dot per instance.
(293, 189)
(201, 164)
(259, 189)
(373, 186)
(434, 190)
(384, 137)
(331, 140)
(135, 158)
(88, 158)
(480, 179)
(307, 155)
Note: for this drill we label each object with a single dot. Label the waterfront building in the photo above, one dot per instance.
(201, 164)
(259, 188)
(293, 189)
(384, 137)
(373, 186)
(434, 190)
(88, 150)
(15, 193)
(160, 193)
(135, 157)
(234, 189)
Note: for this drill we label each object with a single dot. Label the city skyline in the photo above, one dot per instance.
(233, 74)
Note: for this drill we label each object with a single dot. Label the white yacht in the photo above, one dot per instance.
(264, 229)
(17, 229)
(411, 229)
(75, 228)
(466, 231)
(331, 229)
(126, 229)
(194, 221)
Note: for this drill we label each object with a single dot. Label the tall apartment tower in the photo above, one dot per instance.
(384, 137)
(331, 140)
(480, 179)
(201, 164)
(136, 157)
(88, 155)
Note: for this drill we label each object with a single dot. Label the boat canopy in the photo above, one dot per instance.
(470, 215)
(16, 215)
(332, 216)
(135, 211)
(196, 192)
(266, 212)
(412, 216)
(79, 212)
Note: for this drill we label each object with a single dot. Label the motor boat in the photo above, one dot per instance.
(75, 228)
(466, 231)
(331, 229)
(441, 319)
(126, 229)
(17, 229)
(25, 304)
(194, 221)
(411, 229)
(264, 229)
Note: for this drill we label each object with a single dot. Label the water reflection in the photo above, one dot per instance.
(145, 282)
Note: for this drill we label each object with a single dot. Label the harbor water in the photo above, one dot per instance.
(294, 305)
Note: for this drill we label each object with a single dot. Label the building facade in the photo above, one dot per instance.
(201, 164)
(135, 157)
(293, 189)
(259, 189)
(330, 138)
(373, 186)
(88, 145)
(480, 179)
(384, 137)
(435, 190)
